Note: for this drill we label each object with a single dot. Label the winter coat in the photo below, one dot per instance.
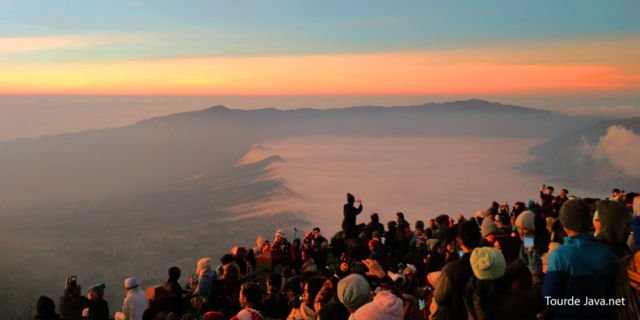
(134, 305)
(71, 306)
(615, 223)
(581, 267)
(411, 309)
(450, 288)
(495, 300)
(98, 310)
(281, 252)
(627, 286)
(385, 306)
(532, 259)
(349, 222)
(205, 284)
(375, 226)
(546, 204)
(275, 306)
(302, 313)
(175, 302)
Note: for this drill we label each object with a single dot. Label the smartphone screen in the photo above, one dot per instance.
(461, 252)
(528, 241)
(421, 304)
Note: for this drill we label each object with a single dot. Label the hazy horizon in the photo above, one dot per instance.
(34, 116)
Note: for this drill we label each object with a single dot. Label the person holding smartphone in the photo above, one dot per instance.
(529, 254)
(350, 212)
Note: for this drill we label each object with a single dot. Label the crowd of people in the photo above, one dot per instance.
(560, 257)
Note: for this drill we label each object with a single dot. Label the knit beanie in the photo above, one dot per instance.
(526, 220)
(98, 288)
(488, 227)
(131, 282)
(487, 263)
(575, 215)
(280, 233)
(385, 306)
(354, 291)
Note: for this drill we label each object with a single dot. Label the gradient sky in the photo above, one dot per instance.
(320, 47)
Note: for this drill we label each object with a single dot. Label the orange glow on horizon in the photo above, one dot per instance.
(353, 74)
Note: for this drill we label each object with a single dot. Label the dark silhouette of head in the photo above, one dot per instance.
(250, 294)
(227, 258)
(46, 306)
(174, 273)
(275, 281)
(469, 234)
(550, 190)
(350, 198)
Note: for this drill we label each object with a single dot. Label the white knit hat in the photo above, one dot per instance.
(487, 263)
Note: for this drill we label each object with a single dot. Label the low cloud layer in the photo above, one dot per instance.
(618, 151)
(422, 177)
(616, 111)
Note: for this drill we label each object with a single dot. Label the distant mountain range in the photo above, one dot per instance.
(157, 153)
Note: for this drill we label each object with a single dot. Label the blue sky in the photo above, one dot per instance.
(170, 28)
(552, 54)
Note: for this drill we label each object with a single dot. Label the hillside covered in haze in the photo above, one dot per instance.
(168, 190)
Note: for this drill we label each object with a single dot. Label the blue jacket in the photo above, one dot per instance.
(581, 267)
(205, 284)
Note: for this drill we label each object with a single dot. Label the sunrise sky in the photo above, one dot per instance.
(319, 47)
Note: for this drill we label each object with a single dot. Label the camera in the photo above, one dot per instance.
(71, 283)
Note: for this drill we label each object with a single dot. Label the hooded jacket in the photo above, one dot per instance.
(448, 295)
(615, 226)
(581, 267)
(385, 306)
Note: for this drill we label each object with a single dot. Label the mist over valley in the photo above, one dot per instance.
(166, 191)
